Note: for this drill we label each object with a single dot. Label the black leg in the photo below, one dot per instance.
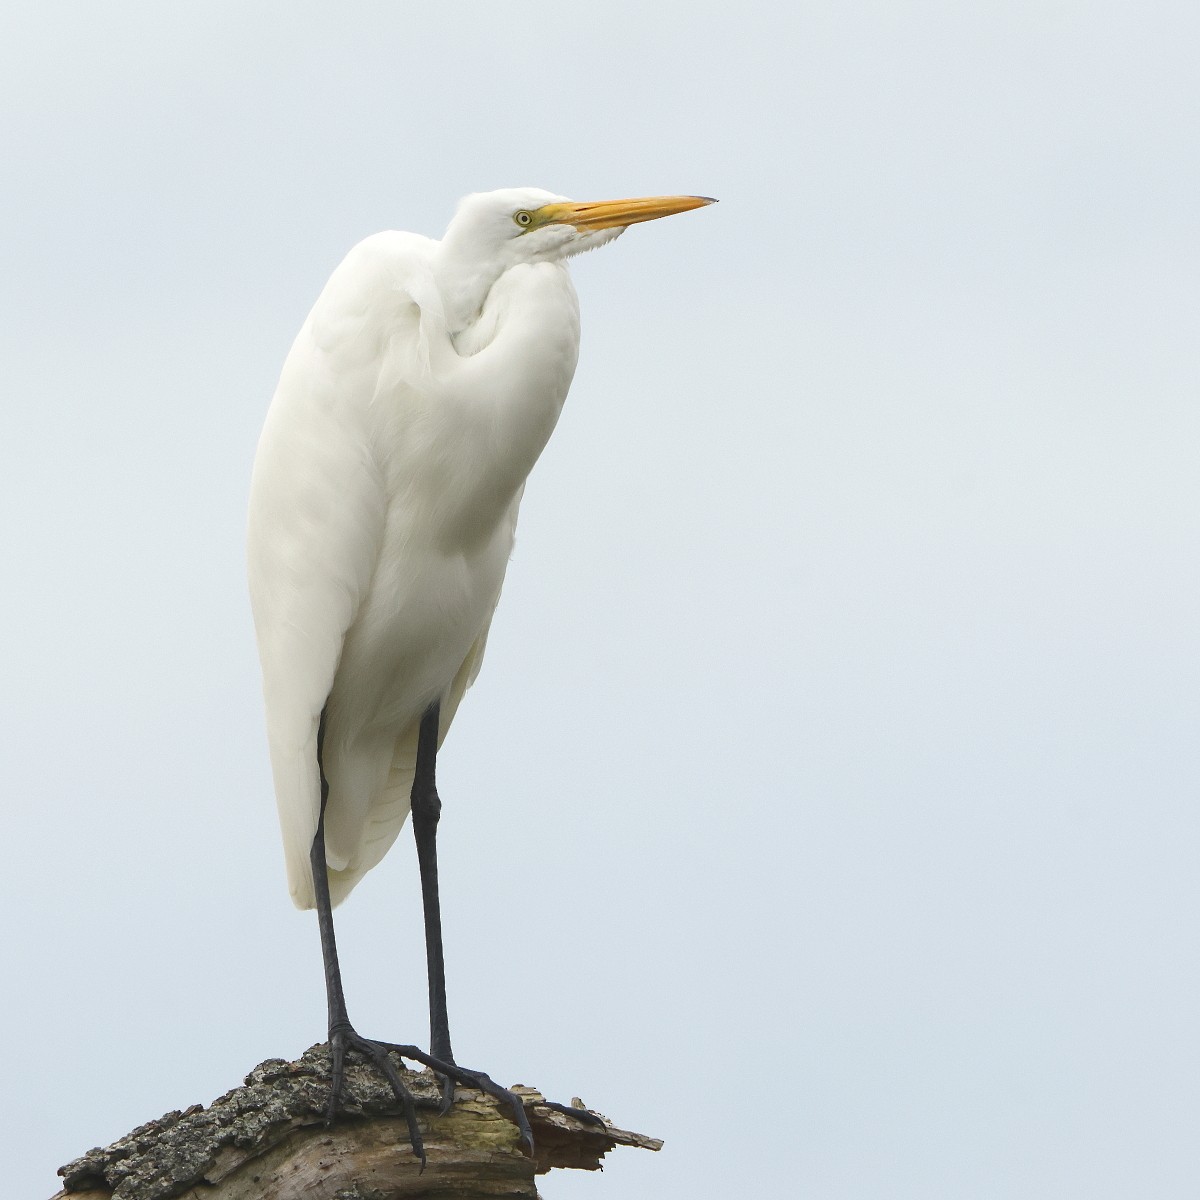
(426, 810)
(342, 1035)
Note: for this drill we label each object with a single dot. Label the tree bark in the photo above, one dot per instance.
(267, 1140)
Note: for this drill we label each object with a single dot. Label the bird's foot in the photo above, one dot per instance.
(572, 1110)
(450, 1073)
(343, 1038)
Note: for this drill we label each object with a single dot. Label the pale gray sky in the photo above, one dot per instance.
(841, 707)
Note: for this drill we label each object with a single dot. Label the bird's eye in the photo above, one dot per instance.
(523, 218)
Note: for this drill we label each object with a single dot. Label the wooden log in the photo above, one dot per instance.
(267, 1140)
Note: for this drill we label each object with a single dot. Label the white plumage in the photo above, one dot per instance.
(412, 406)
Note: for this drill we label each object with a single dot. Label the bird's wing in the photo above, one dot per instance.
(390, 806)
(317, 509)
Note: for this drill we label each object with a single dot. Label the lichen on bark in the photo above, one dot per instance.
(267, 1140)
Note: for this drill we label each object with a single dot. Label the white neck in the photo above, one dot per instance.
(464, 281)
(511, 373)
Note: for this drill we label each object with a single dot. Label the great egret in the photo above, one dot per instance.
(412, 406)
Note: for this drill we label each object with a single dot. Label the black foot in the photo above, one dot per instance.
(580, 1114)
(344, 1038)
(448, 1072)
(451, 1073)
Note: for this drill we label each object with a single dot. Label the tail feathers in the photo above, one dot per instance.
(384, 821)
(388, 811)
(298, 795)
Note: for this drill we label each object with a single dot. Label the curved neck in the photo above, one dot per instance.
(464, 280)
(503, 396)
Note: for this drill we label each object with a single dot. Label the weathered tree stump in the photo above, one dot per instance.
(267, 1140)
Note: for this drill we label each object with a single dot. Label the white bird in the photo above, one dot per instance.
(412, 406)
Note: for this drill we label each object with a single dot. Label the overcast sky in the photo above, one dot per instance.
(839, 721)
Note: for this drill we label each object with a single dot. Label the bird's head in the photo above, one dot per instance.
(518, 225)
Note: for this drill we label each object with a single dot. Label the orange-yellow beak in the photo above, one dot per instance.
(606, 214)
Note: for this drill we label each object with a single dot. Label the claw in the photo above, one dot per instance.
(345, 1038)
(580, 1114)
(447, 1093)
(337, 1077)
(449, 1073)
(475, 1079)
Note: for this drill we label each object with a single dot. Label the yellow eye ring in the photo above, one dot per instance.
(523, 218)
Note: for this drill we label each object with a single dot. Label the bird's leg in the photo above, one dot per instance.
(426, 812)
(426, 807)
(342, 1035)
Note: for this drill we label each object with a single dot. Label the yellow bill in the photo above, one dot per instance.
(607, 214)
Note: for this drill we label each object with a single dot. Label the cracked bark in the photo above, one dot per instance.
(267, 1140)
